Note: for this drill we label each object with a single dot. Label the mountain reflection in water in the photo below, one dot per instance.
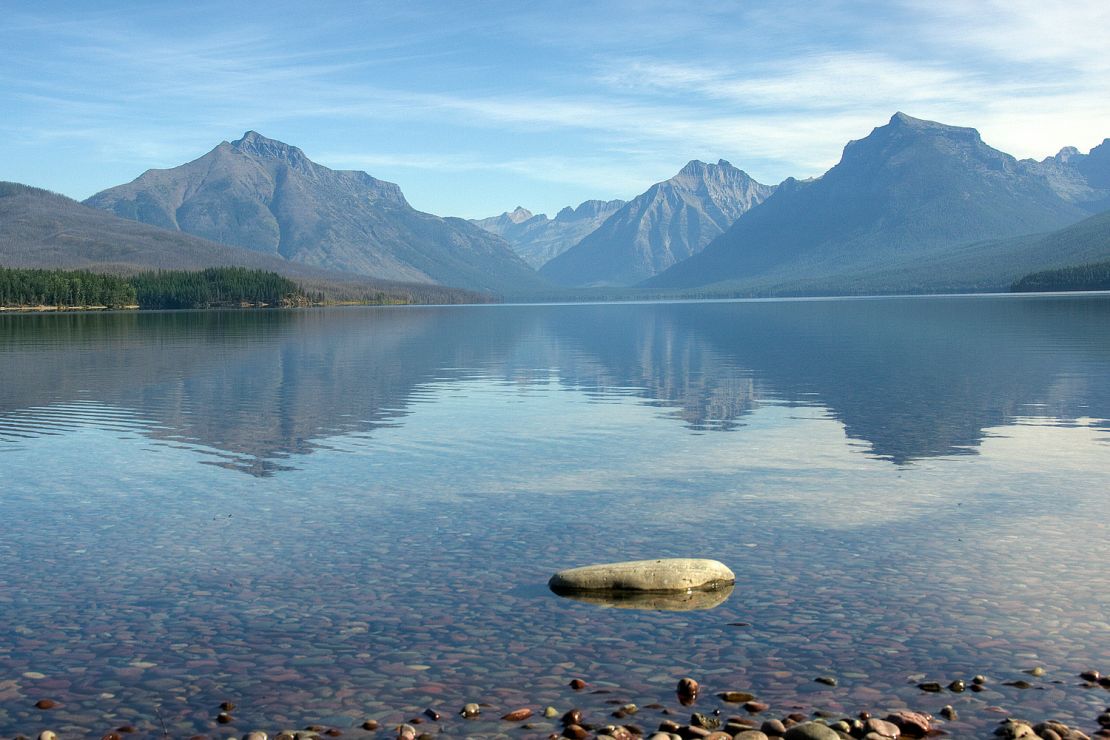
(911, 378)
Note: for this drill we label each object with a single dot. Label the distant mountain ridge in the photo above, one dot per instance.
(267, 196)
(671, 221)
(907, 192)
(539, 239)
(1082, 179)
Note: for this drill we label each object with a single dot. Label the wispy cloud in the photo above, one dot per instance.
(539, 95)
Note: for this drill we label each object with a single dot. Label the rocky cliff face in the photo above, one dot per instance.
(673, 220)
(267, 196)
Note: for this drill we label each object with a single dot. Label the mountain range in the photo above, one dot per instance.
(671, 221)
(40, 229)
(908, 193)
(539, 239)
(915, 206)
(260, 194)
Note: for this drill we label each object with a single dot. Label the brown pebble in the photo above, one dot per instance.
(827, 680)
(517, 714)
(333, 732)
(577, 684)
(773, 727)
(432, 714)
(687, 690)
(573, 717)
(223, 718)
(1092, 676)
(46, 704)
(575, 732)
(126, 729)
(227, 706)
(370, 724)
(755, 707)
(111, 736)
(948, 712)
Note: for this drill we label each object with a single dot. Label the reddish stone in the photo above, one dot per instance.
(913, 724)
(518, 714)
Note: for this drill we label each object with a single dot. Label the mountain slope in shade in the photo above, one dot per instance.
(40, 229)
(671, 221)
(260, 194)
(910, 188)
(539, 239)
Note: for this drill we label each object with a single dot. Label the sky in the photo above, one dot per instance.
(476, 107)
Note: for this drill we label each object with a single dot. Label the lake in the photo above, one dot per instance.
(328, 516)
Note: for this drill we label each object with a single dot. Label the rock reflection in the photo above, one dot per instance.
(669, 602)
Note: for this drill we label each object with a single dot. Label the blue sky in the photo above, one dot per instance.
(476, 107)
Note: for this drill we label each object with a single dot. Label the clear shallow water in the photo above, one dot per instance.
(327, 516)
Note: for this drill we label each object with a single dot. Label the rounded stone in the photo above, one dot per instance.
(47, 735)
(773, 727)
(882, 728)
(811, 731)
(659, 576)
(687, 688)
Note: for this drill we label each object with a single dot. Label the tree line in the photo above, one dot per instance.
(210, 288)
(1095, 276)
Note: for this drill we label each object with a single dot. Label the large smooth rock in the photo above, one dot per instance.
(667, 575)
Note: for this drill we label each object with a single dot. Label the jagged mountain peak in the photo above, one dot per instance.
(255, 144)
(669, 222)
(1066, 154)
(698, 167)
(520, 214)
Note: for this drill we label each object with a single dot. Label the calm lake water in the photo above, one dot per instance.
(333, 515)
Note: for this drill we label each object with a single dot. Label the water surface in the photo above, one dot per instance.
(332, 515)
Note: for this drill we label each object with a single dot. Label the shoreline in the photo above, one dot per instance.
(604, 712)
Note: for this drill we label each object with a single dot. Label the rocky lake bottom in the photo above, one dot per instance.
(334, 517)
